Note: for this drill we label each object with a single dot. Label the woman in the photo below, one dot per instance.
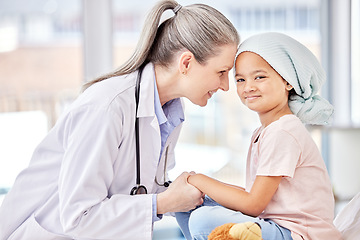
(78, 183)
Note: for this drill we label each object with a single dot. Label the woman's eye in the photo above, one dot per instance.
(222, 73)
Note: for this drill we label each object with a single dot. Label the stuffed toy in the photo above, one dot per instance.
(236, 231)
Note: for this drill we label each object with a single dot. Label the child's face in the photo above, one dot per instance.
(260, 87)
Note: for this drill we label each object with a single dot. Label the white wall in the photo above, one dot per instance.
(344, 147)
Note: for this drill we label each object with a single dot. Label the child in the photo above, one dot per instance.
(288, 192)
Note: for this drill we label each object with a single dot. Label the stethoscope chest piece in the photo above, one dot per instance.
(138, 189)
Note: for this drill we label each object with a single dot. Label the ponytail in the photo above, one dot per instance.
(198, 28)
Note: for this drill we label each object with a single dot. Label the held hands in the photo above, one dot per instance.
(180, 196)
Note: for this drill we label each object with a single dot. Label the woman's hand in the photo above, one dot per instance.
(179, 197)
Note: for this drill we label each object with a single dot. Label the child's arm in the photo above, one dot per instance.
(235, 186)
(251, 203)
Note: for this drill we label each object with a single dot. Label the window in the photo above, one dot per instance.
(40, 72)
(355, 62)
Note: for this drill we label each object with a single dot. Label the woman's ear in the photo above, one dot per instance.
(289, 86)
(185, 61)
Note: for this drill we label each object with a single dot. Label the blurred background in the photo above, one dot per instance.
(48, 48)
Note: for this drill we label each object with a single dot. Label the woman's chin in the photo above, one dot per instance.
(199, 102)
(203, 104)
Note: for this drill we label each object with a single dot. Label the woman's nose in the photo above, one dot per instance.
(224, 84)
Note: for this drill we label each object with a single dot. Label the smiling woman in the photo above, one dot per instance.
(92, 145)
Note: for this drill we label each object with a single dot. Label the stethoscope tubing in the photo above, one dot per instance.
(137, 141)
(141, 189)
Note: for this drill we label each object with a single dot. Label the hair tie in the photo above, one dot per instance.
(177, 8)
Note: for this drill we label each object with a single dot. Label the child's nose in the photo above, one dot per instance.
(249, 86)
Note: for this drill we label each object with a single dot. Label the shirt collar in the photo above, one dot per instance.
(173, 109)
(159, 112)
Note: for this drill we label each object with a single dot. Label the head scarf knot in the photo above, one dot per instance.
(298, 66)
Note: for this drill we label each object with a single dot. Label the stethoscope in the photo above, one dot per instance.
(141, 189)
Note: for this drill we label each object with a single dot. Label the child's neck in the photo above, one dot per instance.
(267, 119)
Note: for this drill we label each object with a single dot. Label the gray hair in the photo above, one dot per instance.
(198, 28)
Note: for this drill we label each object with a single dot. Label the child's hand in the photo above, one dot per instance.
(192, 173)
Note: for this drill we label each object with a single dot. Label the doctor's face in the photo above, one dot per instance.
(206, 79)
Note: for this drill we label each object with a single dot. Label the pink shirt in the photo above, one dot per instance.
(303, 202)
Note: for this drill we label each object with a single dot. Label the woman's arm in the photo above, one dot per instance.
(251, 203)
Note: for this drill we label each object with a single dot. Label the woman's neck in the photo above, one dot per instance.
(167, 84)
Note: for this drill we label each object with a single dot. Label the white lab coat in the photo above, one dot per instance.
(78, 182)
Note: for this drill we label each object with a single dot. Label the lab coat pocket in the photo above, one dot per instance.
(31, 230)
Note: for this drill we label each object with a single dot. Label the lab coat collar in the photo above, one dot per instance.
(146, 101)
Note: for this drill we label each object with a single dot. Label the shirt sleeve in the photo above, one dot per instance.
(156, 217)
(279, 153)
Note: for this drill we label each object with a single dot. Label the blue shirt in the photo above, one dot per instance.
(169, 116)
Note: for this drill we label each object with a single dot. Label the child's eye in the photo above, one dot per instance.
(259, 77)
(240, 80)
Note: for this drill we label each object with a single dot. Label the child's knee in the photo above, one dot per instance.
(202, 220)
(198, 218)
